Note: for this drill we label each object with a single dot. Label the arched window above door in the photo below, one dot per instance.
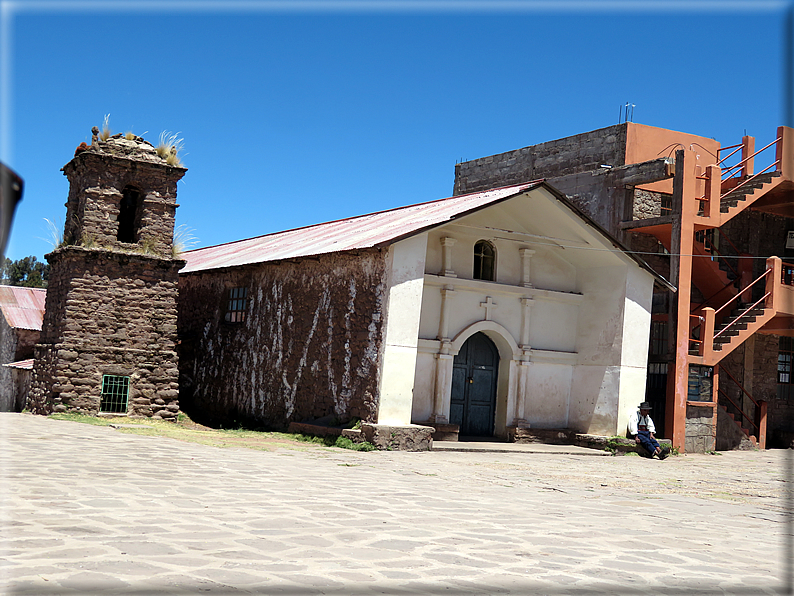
(484, 260)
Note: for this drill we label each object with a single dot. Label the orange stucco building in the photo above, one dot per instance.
(715, 221)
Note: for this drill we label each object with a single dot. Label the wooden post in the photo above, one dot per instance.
(748, 148)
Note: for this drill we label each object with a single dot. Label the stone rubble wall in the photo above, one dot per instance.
(647, 204)
(309, 346)
(109, 313)
(579, 153)
(743, 230)
(92, 209)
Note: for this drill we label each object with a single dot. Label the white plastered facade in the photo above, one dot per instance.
(567, 311)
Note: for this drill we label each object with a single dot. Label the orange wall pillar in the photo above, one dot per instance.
(784, 152)
(685, 206)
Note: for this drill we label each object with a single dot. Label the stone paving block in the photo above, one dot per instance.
(397, 522)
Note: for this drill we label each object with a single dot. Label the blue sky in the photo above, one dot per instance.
(297, 113)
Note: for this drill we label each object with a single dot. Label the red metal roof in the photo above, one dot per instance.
(23, 308)
(355, 233)
(21, 364)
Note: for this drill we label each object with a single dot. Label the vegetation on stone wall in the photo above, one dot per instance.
(27, 272)
(169, 146)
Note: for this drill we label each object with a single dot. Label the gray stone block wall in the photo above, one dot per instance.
(309, 346)
(579, 153)
(700, 429)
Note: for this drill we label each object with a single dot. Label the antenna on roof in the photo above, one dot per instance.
(626, 113)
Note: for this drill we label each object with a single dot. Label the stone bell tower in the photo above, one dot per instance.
(108, 340)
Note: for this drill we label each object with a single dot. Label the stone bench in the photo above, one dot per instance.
(409, 437)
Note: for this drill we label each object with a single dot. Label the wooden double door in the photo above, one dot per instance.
(474, 372)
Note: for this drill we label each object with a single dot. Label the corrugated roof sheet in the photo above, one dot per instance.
(23, 308)
(355, 233)
(21, 364)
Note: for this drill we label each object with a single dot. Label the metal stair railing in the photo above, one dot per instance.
(740, 169)
(707, 317)
(758, 423)
(709, 246)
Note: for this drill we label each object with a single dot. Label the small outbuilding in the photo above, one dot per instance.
(20, 327)
(479, 313)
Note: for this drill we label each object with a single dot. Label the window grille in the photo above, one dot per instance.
(658, 344)
(115, 392)
(700, 383)
(236, 305)
(484, 260)
(784, 360)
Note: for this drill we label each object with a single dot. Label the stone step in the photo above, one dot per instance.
(732, 199)
(744, 318)
(737, 421)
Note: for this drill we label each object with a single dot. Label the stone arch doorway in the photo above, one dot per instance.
(474, 375)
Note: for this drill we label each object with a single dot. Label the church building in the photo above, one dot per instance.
(479, 315)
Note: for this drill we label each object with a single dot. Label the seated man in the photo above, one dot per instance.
(641, 427)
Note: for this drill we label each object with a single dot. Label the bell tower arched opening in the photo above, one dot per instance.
(129, 208)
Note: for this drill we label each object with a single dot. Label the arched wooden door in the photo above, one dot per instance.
(473, 402)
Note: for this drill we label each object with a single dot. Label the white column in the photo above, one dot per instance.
(446, 253)
(512, 390)
(526, 257)
(519, 419)
(444, 360)
(526, 311)
(443, 389)
(447, 292)
(406, 265)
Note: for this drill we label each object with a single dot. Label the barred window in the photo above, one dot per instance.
(658, 343)
(484, 260)
(115, 392)
(700, 383)
(236, 305)
(784, 360)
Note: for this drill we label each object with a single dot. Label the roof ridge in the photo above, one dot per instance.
(373, 213)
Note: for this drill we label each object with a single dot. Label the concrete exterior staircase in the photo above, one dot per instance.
(738, 423)
(742, 323)
(741, 438)
(712, 275)
(737, 200)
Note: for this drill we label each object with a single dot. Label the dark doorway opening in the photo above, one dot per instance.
(128, 215)
(656, 394)
(474, 373)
